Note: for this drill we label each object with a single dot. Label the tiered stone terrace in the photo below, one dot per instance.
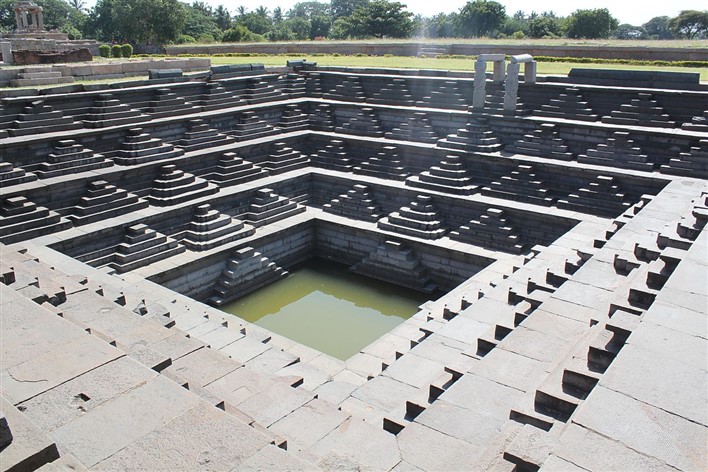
(565, 241)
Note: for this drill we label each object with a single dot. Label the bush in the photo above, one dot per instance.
(518, 35)
(126, 50)
(115, 50)
(185, 39)
(206, 39)
(71, 32)
(104, 50)
(240, 33)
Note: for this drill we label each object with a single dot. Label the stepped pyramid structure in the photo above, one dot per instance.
(449, 176)
(10, 175)
(569, 105)
(444, 94)
(142, 246)
(322, 118)
(260, 90)
(395, 92)
(21, 219)
(293, 119)
(251, 127)
(216, 97)
(165, 102)
(494, 103)
(209, 228)
(138, 147)
(474, 137)
(693, 163)
(358, 203)
(284, 159)
(618, 151)
(108, 111)
(393, 261)
(294, 86)
(543, 142)
(419, 219)
(200, 136)
(640, 111)
(268, 207)
(697, 123)
(416, 128)
(103, 200)
(348, 90)
(364, 123)
(232, 170)
(492, 231)
(385, 165)
(332, 156)
(245, 272)
(173, 186)
(520, 184)
(70, 158)
(40, 118)
(602, 195)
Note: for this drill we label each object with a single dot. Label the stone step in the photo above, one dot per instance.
(35, 82)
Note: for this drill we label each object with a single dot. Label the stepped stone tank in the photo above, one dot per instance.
(563, 233)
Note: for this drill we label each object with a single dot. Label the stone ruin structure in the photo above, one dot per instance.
(31, 43)
(565, 231)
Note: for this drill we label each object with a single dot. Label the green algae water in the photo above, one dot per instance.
(323, 305)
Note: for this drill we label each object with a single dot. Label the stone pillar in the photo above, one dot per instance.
(530, 72)
(6, 51)
(18, 19)
(23, 20)
(498, 75)
(40, 18)
(33, 17)
(480, 85)
(511, 87)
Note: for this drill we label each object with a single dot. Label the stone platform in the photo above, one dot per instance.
(568, 256)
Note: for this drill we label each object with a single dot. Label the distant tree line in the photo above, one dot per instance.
(172, 21)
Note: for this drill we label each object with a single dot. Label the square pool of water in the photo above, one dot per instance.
(324, 306)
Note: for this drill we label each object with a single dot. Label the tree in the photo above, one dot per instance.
(79, 5)
(199, 21)
(690, 23)
(480, 18)
(658, 28)
(258, 24)
(222, 18)
(627, 31)
(545, 25)
(380, 18)
(277, 16)
(319, 26)
(344, 8)
(309, 10)
(591, 24)
(142, 21)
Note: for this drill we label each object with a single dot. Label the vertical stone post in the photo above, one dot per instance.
(511, 87)
(480, 85)
(6, 52)
(40, 18)
(23, 20)
(18, 19)
(530, 72)
(498, 75)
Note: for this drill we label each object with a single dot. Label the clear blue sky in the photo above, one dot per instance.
(626, 11)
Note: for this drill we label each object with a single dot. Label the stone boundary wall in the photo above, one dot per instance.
(414, 48)
(114, 70)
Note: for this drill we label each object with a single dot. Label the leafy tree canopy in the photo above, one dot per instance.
(480, 18)
(690, 23)
(591, 24)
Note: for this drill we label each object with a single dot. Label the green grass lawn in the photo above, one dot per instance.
(406, 62)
